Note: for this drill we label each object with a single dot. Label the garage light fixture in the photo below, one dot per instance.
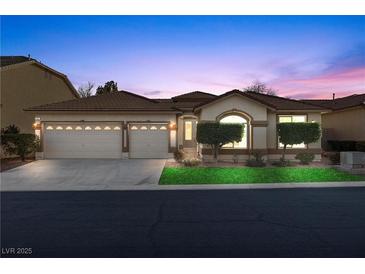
(134, 128)
(68, 128)
(172, 126)
(107, 128)
(163, 128)
(97, 128)
(49, 128)
(153, 128)
(116, 128)
(78, 128)
(87, 128)
(59, 128)
(143, 128)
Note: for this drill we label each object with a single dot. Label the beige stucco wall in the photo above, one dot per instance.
(235, 102)
(27, 85)
(345, 125)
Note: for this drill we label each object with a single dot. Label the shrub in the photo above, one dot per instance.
(20, 144)
(191, 162)
(11, 129)
(305, 158)
(360, 146)
(179, 155)
(217, 135)
(343, 145)
(281, 163)
(257, 161)
(297, 133)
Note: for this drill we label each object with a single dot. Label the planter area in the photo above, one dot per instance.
(249, 175)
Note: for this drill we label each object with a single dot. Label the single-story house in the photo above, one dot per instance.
(346, 120)
(26, 82)
(127, 125)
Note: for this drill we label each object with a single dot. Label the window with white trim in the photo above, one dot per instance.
(236, 119)
(292, 119)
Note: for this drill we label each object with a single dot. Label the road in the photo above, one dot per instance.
(209, 223)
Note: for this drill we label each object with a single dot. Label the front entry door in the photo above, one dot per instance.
(189, 133)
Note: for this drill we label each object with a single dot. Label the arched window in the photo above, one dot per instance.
(237, 119)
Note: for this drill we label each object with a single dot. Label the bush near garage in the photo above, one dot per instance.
(217, 134)
(20, 144)
(257, 161)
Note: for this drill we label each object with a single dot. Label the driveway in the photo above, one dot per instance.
(82, 174)
(199, 223)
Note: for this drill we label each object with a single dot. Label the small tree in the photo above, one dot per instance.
(297, 133)
(260, 87)
(108, 87)
(87, 90)
(217, 134)
(20, 144)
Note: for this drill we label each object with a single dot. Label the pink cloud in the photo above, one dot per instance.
(343, 83)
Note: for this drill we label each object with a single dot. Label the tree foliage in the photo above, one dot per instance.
(217, 134)
(297, 133)
(20, 144)
(87, 90)
(260, 87)
(10, 129)
(108, 87)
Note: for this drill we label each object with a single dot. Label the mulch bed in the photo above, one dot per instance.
(9, 163)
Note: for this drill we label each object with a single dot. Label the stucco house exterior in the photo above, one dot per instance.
(26, 82)
(127, 125)
(346, 118)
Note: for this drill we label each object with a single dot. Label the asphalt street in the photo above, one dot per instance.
(199, 223)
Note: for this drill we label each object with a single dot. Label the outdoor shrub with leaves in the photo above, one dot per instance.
(11, 129)
(335, 158)
(217, 134)
(191, 162)
(281, 163)
(305, 158)
(20, 144)
(297, 133)
(179, 155)
(257, 161)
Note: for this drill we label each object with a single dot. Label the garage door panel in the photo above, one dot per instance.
(152, 142)
(83, 143)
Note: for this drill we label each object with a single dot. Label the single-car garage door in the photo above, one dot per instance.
(148, 140)
(86, 140)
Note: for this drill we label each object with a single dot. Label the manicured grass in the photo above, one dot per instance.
(246, 175)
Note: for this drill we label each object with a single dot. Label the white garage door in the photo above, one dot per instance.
(148, 141)
(86, 140)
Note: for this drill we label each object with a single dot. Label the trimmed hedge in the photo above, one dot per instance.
(217, 134)
(297, 133)
(346, 145)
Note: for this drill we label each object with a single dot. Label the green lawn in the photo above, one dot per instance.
(245, 175)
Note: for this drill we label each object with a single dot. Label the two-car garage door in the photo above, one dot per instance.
(104, 140)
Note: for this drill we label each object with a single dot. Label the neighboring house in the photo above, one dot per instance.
(126, 125)
(26, 82)
(346, 118)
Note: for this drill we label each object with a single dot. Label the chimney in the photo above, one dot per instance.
(333, 96)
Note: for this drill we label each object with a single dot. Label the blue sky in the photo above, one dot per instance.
(161, 56)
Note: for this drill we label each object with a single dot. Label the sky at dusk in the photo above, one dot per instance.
(162, 56)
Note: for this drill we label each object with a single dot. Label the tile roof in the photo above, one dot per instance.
(116, 101)
(127, 101)
(275, 102)
(12, 60)
(339, 103)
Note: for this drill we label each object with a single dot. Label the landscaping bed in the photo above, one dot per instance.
(9, 163)
(248, 175)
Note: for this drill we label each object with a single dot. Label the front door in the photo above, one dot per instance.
(189, 133)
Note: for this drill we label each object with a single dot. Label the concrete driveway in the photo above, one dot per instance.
(83, 174)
